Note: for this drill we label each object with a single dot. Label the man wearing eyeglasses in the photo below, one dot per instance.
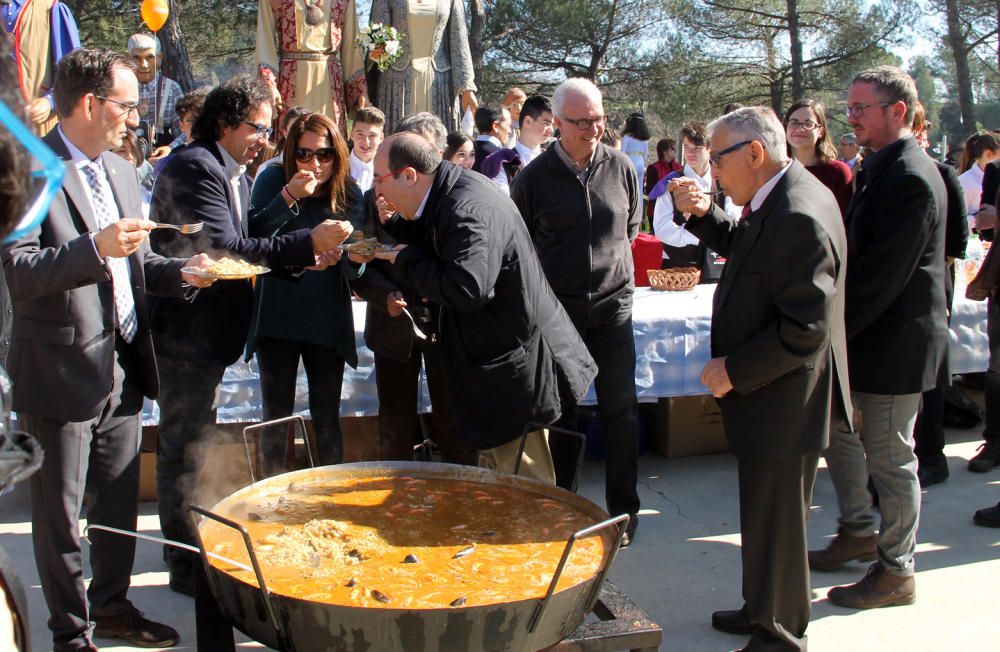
(195, 342)
(897, 340)
(582, 203)
(779, 359)
(82, 355)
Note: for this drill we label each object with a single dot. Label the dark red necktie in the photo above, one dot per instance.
(746, 211)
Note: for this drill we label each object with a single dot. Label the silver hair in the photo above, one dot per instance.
(849, 138)
(144, 42)
(574, 86)
(427, 125)
(758, 123)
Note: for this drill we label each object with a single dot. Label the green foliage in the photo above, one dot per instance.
(220, 34)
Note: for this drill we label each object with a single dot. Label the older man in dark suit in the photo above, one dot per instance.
(196, 341)
(779, 362)
(82, 355)
(897, 338)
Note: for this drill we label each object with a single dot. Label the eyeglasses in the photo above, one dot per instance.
(808, 125)
(716, 157)
(323, 154)
(263, 131)
(585, 123)
(858, 110)
(129, 108)
(382, 177)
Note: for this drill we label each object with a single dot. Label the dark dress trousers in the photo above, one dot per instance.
(196, 341)
(928, 434)
(510, 352)
(399, 356)
(78, 387)
(778, 319)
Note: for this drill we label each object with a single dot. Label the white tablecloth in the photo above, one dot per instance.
(671, 344)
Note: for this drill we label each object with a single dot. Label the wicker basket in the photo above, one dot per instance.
(676, 279)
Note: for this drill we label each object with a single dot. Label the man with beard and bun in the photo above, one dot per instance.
(195, 342)
(82, 356)
(779, 357)
(897, 339)
(509, 351)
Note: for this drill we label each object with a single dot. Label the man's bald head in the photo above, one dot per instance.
(409, 150)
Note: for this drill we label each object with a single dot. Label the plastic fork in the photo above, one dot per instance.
(186, 229)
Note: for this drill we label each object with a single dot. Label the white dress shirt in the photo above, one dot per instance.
(234, 171)
(765, 190)
(972, 185)
(362, 173)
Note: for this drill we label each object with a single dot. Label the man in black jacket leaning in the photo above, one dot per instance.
(897, 338)
(509, 351)
(582, 204)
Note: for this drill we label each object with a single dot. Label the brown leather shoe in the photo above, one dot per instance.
(132, 626)
(878, 588)
(844, 548)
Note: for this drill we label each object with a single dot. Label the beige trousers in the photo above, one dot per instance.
(536, 463)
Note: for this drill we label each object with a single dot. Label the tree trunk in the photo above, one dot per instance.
(176, 62)
(477, 29)
(795, 49)
(960, 52)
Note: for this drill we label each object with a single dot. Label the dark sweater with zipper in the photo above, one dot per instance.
(583, 226)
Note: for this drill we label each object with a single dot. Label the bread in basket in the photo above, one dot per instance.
(676, 279)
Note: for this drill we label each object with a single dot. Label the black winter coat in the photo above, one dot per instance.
(511, 354)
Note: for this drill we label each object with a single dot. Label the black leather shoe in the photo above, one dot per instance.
(929, 474)
(132, 626)
(986, 457)
(182, 583)
(734, 621)
(633, 525)
(987, 516)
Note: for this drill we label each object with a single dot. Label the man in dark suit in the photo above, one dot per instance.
(493, 125)
(509, 351)
(197, 340)
(82, 355)
(897, 339)
(779, 362)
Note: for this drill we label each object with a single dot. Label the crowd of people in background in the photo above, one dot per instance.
(504, 267)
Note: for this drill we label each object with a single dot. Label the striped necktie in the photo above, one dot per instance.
(105, 215)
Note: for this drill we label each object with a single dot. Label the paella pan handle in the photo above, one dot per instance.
(265, 592)
(300, 428)
(623, 519)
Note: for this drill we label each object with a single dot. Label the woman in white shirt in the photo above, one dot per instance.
(980, 149)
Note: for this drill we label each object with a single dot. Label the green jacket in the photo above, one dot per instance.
(311, 306)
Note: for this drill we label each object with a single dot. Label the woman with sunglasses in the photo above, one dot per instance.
(307, 317)
(810, 143)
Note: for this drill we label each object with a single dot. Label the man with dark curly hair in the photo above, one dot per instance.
(195, 342)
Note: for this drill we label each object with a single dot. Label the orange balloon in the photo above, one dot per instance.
(155, 13)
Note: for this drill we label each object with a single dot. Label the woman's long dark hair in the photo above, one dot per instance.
(317, 123)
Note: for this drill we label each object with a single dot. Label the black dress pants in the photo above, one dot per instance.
(397, 382)
(99, 457)
(279, 368)
(611, 343)
(774, 506)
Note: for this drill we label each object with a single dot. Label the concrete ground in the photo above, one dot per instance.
(685, 562)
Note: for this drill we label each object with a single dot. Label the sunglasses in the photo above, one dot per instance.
(323, 154)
